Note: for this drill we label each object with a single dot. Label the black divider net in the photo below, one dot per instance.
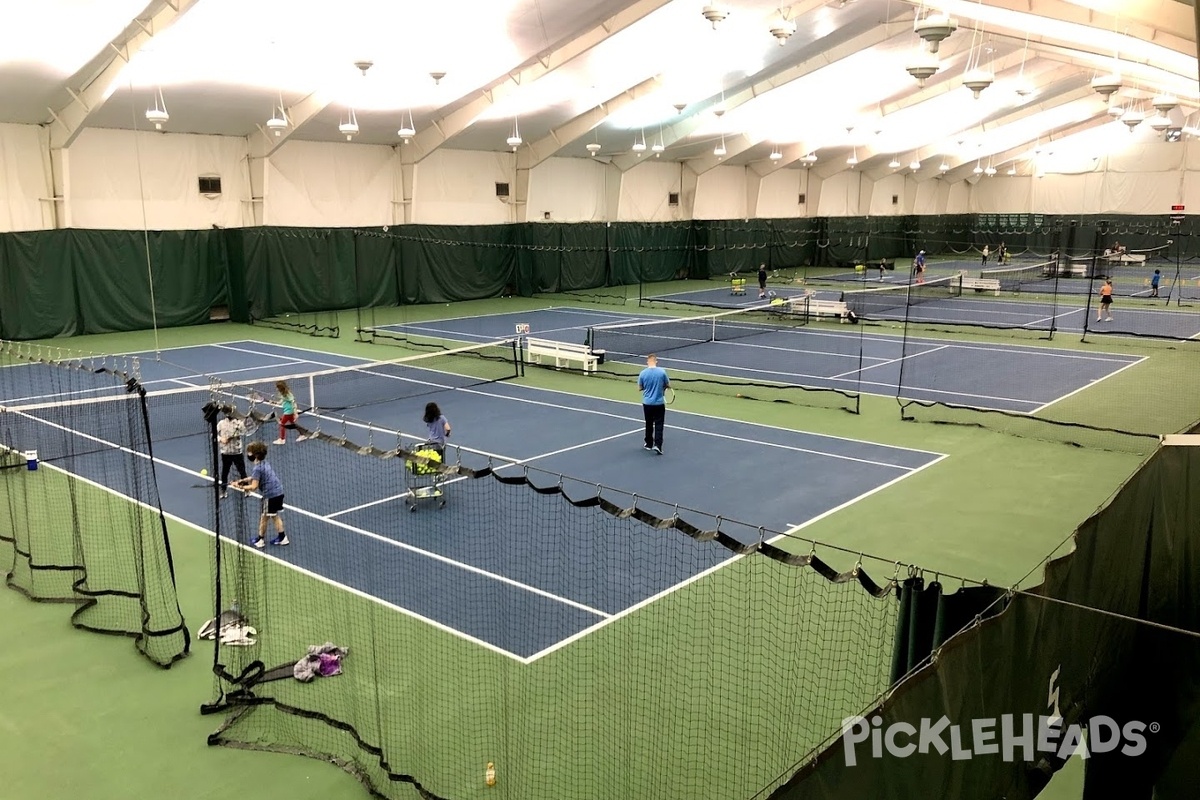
(500, 606)
(64, 282)
(80, 521)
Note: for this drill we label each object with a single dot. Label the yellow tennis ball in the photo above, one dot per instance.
(204, 471)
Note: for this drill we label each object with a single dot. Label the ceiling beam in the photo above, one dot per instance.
(1064, 85)
(1165, 23)
(463, 115)
(964, 167)
(72, 118)
(574, 129)
(263, 143)
(877, 35)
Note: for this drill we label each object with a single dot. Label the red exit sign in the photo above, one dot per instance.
(1177, 208)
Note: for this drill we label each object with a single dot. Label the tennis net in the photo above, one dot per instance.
(892, 302)
(644, 338)
(344, 388)
(1014, 279)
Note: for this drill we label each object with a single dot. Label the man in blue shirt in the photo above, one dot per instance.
(1154, 283)
(653, 383)
(263, 480)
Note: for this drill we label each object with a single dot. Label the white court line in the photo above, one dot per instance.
(890, 385)
(383, 539)
(741, 343)
(721, 565)
(264, 554)
(1090, 385)
(622, 416)
(861, 370)
(1055, 318)
(1048, 352)
(511, 463)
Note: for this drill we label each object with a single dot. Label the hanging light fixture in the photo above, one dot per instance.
(407, 127)
(514, 141)
(811, 158)
(1132, 118)
(349, 126)
(978, 169)
(923, 65)
(782, 30)
(719, 150)
(989, 170)
(1024, 85)
(278, 122)
(933, 28)
(776, 153)
(915, 164)
(639, 144)
(944, 166)
(976, 77)
(894, 163)
(853, 159)
(659, 146)
(157, 112)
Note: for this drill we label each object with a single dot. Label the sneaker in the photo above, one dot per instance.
(301, 438)
(647, 447)
(259, 543)
(280, 540)
(658, 451)
(224, 495)
(279, 441)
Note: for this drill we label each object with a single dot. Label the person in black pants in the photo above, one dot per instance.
(653, 383)
(230, 435)
(762, 281)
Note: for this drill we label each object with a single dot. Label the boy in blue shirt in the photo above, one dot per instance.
(653, 383)
(1154, 283)
(263, 480)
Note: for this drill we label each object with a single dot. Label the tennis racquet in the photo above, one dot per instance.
(669, 395)
(251, 424)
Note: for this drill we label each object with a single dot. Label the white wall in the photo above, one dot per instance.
(644, 191)
(779, 192)
(112, 174)
(24, 178)
(458, 187)
(324, 184)
(571, 189)
(721, 194)
(106, 174)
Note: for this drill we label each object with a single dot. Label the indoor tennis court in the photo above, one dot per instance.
(324, 469)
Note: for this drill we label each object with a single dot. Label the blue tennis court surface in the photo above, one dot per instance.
(1007, 377)
(443, 565)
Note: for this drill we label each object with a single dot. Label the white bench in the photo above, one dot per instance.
(828, 308)
(562, 353)
(982, 284)
(1124, 258)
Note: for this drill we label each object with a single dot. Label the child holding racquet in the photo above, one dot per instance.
(264, 481)
(287, 413)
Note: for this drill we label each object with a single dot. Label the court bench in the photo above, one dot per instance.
(562, 353)
(828, 308)
(981, 284)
